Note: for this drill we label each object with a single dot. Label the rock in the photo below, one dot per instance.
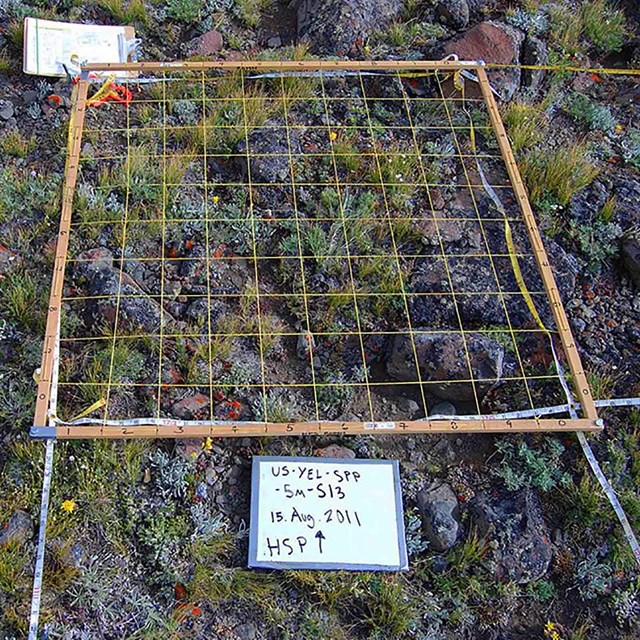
(188, 448)
(584, 205)
(191, 407)
(454, 13)
(6, 109)
(18, 530)
(492, 42)
(514, 522)
(269, 139)
(443, 451)
(336, 451)
(534, 52)
(631, 258)
(274, 42)
(438, 506)
(443, 360)
(136, 309)
(627, 193)
(336, 26)
(439, 564)
(474, 275)
(208, 44)
(443, 409)
(246, 631)
(198, 309)
(29, 96)
(408, 406)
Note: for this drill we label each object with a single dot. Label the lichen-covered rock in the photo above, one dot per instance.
(336, 26)
(443, 359)
(454, 13)
(585, 205)
(486, 289)
(336, 451)
(627, 194)
(438, 506)
(534, 52)
(269, 153)
(514, 522)
(492, 42)
(631, 258)
(18, 530)
(114, 293)
(191, 407)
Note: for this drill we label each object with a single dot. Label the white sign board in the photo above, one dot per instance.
(320, 513)
(49, 45)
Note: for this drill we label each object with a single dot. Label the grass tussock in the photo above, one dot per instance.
(15, 144)
(525, 124)
(604, 26)
(555, 176)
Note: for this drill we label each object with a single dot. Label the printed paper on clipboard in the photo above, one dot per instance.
(49, 45)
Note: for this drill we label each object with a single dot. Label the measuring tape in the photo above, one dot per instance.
(36, 596)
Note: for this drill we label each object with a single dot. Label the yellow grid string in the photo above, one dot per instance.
(309, 335)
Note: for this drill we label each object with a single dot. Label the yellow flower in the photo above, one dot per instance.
(69, 505)
(552, 630)
(618, 127)
(207, 445)
(216, 199)
(333, 135)
(367, 49)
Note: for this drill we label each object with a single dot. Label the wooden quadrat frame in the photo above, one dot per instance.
(47, 425)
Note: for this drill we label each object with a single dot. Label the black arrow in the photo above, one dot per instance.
(320, 537)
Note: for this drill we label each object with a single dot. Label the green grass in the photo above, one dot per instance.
(14, 33)
(23, 298)
(554, 176)
(405, 35)
(187, 11)
(225, 119)
(221, 584)
(395, 166)
(604, 26)
(526, 125)
(251, 10)
(565, 28)
(15, 144)
(7, 64)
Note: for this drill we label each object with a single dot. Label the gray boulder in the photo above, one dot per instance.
(335, 26)
(631, 258)
(18, 530)
(534, 52)
(513, 523)
(627, 193)
(442, 358)
(136, 310)
(438, 506)
(454, 13)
